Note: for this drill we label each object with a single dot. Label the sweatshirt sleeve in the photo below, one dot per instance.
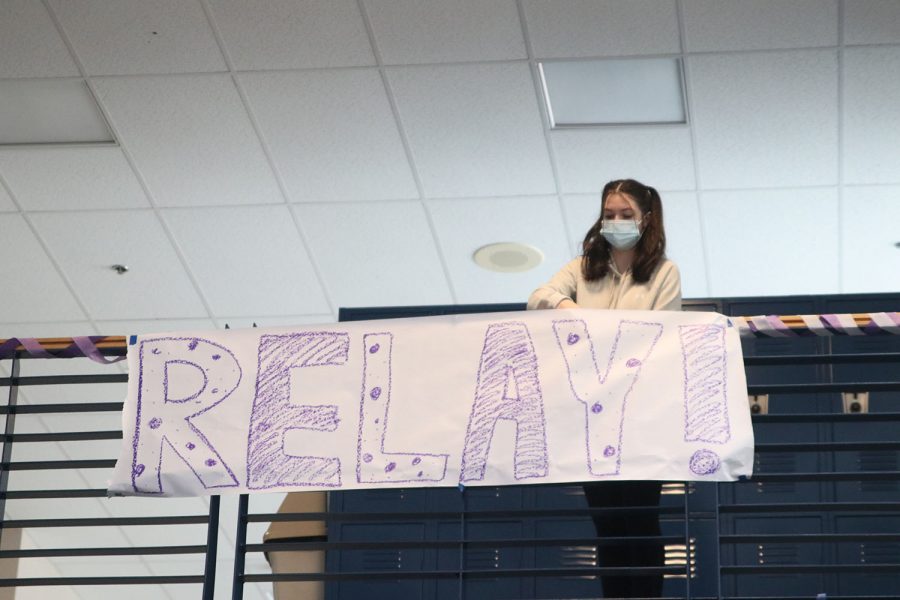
(563, 285)
(669, 296)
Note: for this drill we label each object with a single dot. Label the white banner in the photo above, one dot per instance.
(486, 399)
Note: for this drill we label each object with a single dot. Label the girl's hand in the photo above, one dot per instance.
(567, 304)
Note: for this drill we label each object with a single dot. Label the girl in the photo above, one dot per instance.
(623, 266)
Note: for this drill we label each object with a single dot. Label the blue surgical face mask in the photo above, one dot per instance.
(622, 235)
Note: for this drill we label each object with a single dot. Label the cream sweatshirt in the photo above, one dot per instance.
(615, 291)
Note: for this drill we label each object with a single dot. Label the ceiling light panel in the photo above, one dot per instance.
(50, 111)
(613, 92)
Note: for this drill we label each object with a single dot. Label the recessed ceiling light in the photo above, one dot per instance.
(633, 91)
(50, 111)
(508, 257)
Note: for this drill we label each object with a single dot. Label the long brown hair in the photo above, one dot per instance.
(650, 249)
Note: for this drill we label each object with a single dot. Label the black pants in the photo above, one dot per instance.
(608, 494)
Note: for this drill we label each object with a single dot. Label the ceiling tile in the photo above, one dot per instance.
(573, 28)
(659, 156)
(463, 226)
(185, 564)
(76, 393)
(78, 537)
(86, 244)
(110, 566)
(188, 591)
(6, 203)
(375, 254)
(137, 506)
(765, 259)
(711, 25)
(244, 322)
(42, 567)
(685, 241)
(99, 566)
(46, 329)
(871, 120)
(30, 44)
(190, 138)
(44, 479)
(474, 130)
(126, 37)
(248, 260)
(71, 178)
(430, 31)
(117, 592)
(86, 421)
(871, 22)
(266, 503)
(35, 450)
(792, 142)
(869, 238)
(684, 238)
(144, 326)
(36, 567)
(293, 34)
(167, 535)
(332, 134)
(94, 449)
(49, 508)
(36, 290)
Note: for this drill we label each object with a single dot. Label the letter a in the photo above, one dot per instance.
(507, 358)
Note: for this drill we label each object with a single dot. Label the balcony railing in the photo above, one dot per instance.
(820, 515)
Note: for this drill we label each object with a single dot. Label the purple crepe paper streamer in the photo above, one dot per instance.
(833, 324)
(81, 346)
(90, 350)
(778, 325)
(34, 348)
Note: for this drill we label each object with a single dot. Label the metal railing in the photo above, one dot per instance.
(98, 545)
(820, 515)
